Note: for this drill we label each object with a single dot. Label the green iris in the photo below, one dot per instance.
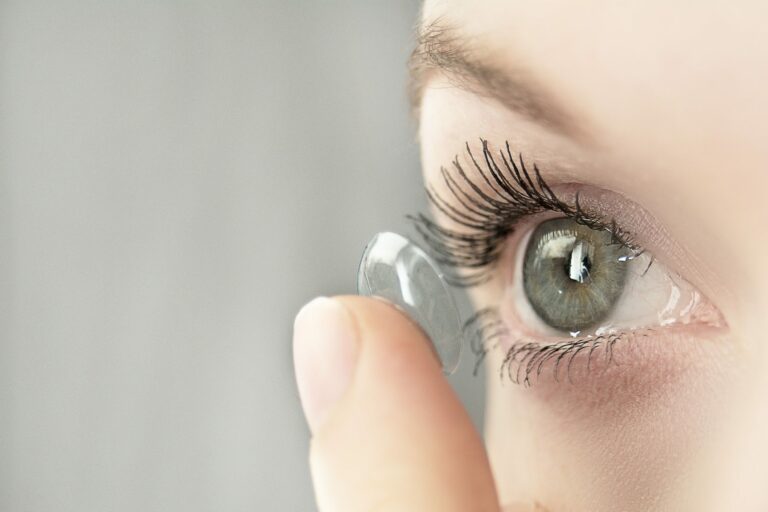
(573, 275)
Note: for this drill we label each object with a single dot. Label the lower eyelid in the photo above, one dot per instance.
(527, 359)
(647, 354)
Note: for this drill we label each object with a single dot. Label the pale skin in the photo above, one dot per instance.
(662, 104)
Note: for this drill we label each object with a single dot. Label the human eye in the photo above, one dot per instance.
(570, 284)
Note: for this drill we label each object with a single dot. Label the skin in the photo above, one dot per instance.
(663, 106)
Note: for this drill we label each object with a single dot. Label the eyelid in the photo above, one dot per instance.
(641, 229)
(481, 202)
(644, 229)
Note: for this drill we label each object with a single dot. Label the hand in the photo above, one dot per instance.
(388, 433)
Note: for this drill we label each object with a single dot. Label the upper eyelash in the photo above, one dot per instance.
(490, 219)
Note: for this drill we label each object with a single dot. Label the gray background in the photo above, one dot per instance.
(176, 180)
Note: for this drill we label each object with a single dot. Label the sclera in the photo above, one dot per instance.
(398, 270)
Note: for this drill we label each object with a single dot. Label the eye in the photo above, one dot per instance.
(573, 275)
(555, 271)
(572, 294)
(571, 280)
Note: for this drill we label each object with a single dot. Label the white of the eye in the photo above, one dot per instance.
(652, 297)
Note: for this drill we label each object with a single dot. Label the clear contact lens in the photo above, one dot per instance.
(398, 270)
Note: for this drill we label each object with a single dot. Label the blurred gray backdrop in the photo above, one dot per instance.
(176, 180)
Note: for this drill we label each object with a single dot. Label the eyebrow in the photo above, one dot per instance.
(440, 49)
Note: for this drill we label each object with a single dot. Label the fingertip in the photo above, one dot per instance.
(400, 432)
(379, 319)
(325, 349)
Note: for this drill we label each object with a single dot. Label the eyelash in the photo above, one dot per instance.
(490, 218)
(524, 361)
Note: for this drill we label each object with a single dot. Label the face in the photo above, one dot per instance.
(597, 174)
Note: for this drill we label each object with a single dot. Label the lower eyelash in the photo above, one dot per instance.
(526, 360)
(487, 218)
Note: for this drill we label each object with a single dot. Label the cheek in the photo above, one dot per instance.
(624, 435)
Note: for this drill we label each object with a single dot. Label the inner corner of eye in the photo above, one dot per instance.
(571, 278)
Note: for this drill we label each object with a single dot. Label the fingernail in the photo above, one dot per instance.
(325, 348)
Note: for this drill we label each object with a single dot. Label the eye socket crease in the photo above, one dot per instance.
(441, 49)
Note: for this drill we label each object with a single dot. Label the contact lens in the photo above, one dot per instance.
(396, 269)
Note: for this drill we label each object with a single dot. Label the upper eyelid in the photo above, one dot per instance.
(489, 216)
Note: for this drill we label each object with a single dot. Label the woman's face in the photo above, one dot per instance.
(656, 114)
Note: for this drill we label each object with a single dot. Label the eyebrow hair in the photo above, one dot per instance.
(439, 48)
